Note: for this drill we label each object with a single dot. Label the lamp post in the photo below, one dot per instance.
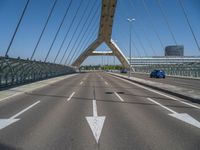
(130, 20)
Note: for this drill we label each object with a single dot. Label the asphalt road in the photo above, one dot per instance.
(136, 118)
(192, 84)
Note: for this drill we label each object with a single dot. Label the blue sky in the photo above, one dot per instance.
(37, 12)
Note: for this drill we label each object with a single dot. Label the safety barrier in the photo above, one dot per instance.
(14, 71)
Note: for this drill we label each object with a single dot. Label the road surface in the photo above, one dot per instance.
(189, 83)
(96, 111)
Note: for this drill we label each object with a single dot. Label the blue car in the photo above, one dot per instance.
(157, 74)
(123, 71)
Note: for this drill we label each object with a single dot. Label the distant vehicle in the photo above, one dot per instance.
(123, 71)
(157, 74)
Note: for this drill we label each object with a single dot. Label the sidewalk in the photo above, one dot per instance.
(192, 95)
(5, 94)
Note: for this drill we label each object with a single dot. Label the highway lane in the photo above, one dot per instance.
(132, 121)
(192, 84)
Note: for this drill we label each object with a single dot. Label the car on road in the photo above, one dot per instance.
(124, 71)
(157, 74)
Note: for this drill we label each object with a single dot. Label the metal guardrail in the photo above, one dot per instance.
(15, 71)
(184, 70)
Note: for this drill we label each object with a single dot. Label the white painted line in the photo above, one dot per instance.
(154, 91)
(71, 96)
(95, 122)
(81, 82)
(68, 76)
(162, 106)
(106, 83)
(24, 110)
(94, 104)
(181, 116)
(6, 122)
(119, 96)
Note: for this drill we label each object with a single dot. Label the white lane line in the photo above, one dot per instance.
(121, 99)
(106, 83)
(81, 82)
(6, 122)
(24, 110)
(180, 116)
(71, 96)
(94, 104)
(154, 91)
(162, 105)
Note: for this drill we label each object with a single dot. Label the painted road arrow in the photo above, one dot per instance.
(96, 122)
(6, 122)
(181, 116)
(186, 118)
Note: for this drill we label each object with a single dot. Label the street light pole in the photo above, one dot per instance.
(130, 20)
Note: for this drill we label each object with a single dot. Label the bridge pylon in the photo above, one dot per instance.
(104, 35)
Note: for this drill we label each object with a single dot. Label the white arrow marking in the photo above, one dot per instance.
(181, 116)
(6, 122)
(81, 82)
(106, 83)
(96, 122)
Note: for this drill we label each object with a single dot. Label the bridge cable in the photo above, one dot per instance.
(44, 28)
(166, 21)
(92, 24)
(81, 31)
(56, 35)
(16, 29)
(86, 42)
(151, 22)
(144, 32)
(76, 29)
(69, 29)
(188, 22)
(141, 44)
(91, 20)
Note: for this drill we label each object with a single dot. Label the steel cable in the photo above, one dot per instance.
(44, 28)
(76, 29)
(70, 26)
(188, 22)
(16, 29)
(56, 35)
(84, 33)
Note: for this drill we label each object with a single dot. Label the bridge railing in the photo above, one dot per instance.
(14, 71)
(184, 70)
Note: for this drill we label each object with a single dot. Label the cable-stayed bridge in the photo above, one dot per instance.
(47, 103)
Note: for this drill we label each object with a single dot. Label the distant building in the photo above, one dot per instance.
(174, 50)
